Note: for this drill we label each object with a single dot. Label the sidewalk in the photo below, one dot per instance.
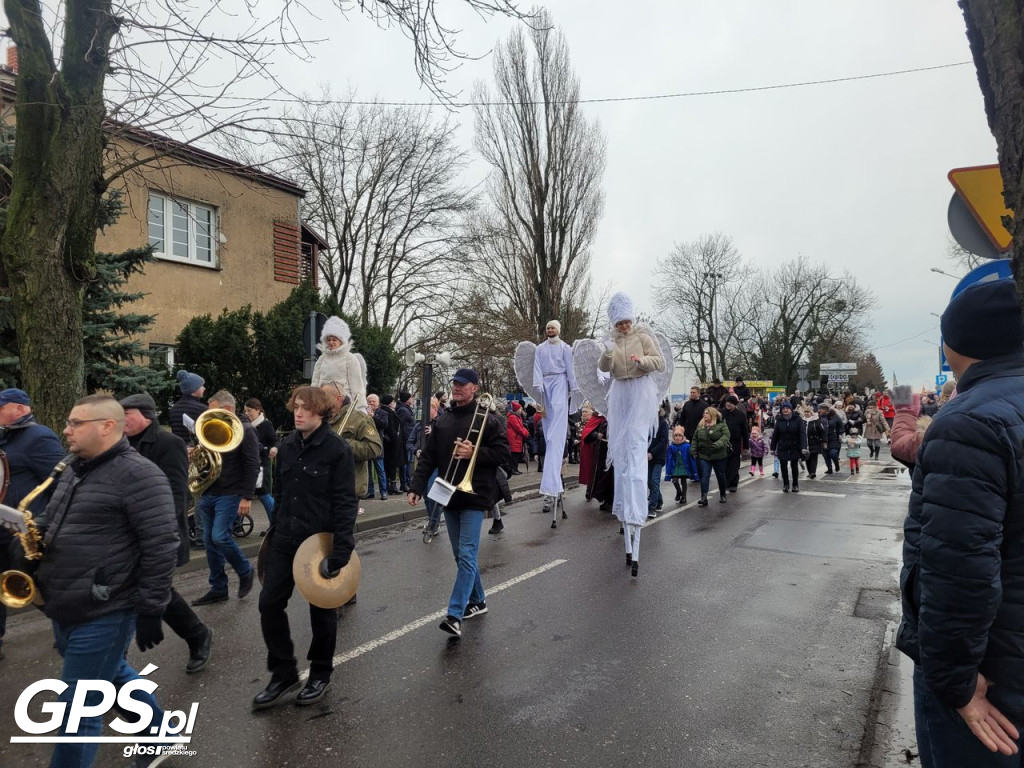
(392, 511)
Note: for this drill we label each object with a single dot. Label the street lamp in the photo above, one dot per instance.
(941, 272)
(412, 358)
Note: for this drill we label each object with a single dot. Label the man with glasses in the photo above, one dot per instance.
(464, 513)
(32, 451)
(111, 542)
(357, 429)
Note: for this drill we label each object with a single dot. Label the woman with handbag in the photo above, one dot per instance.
(711, 445)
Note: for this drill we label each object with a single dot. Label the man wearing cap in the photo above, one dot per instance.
(464, 512)
(554, 377)
(962, 581)
(169, 453)
(32, 450)
(189, 404)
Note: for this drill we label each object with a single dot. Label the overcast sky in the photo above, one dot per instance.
(852, 174)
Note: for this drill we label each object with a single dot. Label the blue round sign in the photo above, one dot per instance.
(990, 270)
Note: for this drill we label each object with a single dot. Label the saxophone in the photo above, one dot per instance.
(17, 588)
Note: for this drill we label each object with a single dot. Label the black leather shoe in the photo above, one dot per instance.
(245, 583)
(368, 496)
(270, 695)
(312, 692)
(211, 597)
(200, 654)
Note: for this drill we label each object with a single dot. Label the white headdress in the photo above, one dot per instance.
(620, 308)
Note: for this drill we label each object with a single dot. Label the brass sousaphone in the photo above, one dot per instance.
(318, 591)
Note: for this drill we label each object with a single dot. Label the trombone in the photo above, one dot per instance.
(444, 487)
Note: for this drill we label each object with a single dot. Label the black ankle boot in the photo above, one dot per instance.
(722, 499)
(629, 558)
(703, 500)
(636, 567)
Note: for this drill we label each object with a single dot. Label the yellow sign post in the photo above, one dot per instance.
(981, 188)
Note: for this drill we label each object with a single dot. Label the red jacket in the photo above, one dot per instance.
(885, 406)
(516, 432)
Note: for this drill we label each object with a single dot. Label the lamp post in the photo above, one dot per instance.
(427, 383)
(942, 272)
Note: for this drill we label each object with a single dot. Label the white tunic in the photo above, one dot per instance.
(553, 375)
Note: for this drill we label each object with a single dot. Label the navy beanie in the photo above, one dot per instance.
(984, 321)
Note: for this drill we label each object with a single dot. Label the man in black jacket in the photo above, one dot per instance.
(111, 540)
(464, 512)
(656, 452)
(169, 453)
(230, 496)
(32, 451)
(689, 418)
(316, 475)
(190, 404)
(404, 411)
(739, 434)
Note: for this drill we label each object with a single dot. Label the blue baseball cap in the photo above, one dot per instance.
(14, 395)
(466, 376)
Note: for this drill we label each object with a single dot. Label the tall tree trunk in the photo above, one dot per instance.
(995, 30)
(48, 247)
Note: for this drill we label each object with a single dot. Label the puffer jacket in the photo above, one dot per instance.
(492, 453)
(789, 438)
(32, 452)
(640, 342)
(962, 581)
(711, 444)
(815, 434)
(111, 539)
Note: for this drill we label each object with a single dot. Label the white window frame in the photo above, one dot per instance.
(193, 210)
(167, 350)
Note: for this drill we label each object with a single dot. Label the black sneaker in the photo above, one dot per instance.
(452, 626)
(474, 609)
(211, 597)
(497, 526)
(651, 514)
(661, 506)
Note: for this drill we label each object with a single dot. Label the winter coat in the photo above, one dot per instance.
(758, 447)
(739, 428)
(853, 444)
(408, 419)
(854, 420)
(742, 391)
(875, 425)
(111, 539)
(692, 413)
(170, 454)
(815, 434)
(833, 431)
(187, 405)
(32, 452)
(341, 365)
(906, 440)
(492, 453)
(640, 342)
(515, 431)
(962, 581)
(659, 444)
(266, 435)
(711, 444)
(789, 439)
(885, 405)
(715, 394)
(590, 442)
(361, 434)
(316, 478)
(240, 468)
(677, 460)
(391, 431)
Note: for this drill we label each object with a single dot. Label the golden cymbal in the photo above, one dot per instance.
(321, 592)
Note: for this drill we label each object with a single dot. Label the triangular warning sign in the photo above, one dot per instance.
(981, 188)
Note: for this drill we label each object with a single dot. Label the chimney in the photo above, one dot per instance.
(12, 57)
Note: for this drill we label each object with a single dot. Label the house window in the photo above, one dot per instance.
(162, 356)
(306, 263)
(180, 230)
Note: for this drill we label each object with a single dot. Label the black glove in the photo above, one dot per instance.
(805, 453)
(149, 632)
(331, 566)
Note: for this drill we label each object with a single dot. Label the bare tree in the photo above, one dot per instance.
(699, 298)
(139, 62)
(547, 161)
(995, 30)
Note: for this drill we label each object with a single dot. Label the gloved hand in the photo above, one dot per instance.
(149, 632)
(902, 395)
(331, 566)
(805, 453)
(609, 344)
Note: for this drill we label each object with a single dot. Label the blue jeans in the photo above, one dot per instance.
(382, 479)
(95, 650)
(219, 513)
(945, 741)
(268, 504)
(654, 471)
(706, 467)
(464, 533)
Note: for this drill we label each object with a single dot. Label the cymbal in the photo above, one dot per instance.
(321, 592)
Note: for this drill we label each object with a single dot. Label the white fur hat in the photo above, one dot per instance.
(620, 308)
(336, 327)
(556, 324)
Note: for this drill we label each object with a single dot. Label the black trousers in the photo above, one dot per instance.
(732, 467)
(277, 589)
(179, 616)
(786, 466)
(812, 463)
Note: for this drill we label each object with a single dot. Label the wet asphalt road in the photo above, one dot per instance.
(737, 645)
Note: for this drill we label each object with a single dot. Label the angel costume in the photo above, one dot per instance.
(341, 365)
(633, 399)
(553, 377)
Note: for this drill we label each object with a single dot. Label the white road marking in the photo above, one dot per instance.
(358, 651)
(817, 493)
(666, 515)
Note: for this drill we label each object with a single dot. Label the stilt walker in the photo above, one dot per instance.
(553, 377)
(631, 355)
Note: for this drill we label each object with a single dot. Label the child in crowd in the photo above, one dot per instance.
(758, 449)
(677, 462)
(853, 444)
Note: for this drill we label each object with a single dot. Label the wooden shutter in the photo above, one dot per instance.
(286, 253)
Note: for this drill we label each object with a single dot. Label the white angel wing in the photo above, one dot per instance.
(525, 351)
(592, 382)
(664, 378)
(362, 363)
